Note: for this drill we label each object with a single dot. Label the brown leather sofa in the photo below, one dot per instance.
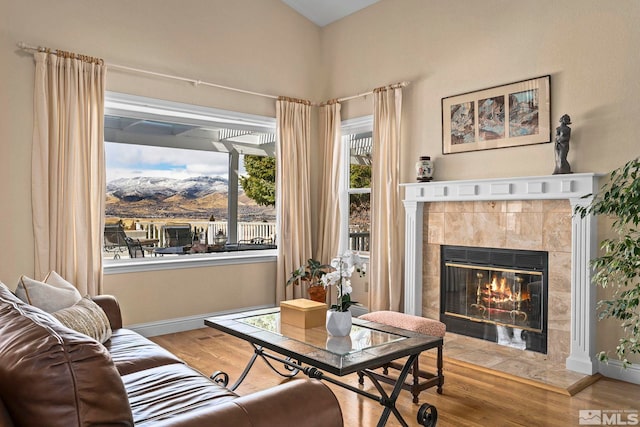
(53, 376)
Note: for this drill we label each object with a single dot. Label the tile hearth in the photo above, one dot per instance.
(524, 366)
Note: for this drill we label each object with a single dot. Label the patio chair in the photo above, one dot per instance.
(116, 240)
(178, 235)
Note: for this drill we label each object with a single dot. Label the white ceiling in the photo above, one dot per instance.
(324, 12)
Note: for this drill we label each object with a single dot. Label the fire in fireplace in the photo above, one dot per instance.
(495, 294)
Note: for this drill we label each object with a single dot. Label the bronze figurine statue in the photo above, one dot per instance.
(563, 133)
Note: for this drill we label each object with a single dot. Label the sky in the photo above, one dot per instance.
(128, 160)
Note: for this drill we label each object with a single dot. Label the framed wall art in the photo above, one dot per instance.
(503, 116)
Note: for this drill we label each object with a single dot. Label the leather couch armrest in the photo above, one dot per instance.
(110, 305)
(300, 403)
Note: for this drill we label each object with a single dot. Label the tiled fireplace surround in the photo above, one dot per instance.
(533, 213)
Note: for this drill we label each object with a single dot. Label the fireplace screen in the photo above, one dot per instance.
(495, 294)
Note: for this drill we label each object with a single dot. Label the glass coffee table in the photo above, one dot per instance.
(315, 353)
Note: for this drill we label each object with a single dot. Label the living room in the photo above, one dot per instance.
(441, 48)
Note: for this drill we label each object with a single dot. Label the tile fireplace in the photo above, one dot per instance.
(482, 211)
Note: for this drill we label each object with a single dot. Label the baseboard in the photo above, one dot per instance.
(181, 324)
(614, 369)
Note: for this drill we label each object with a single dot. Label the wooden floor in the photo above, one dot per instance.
(471, 398)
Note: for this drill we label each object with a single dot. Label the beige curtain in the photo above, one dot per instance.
(68, 173)
(329, 217)
(386, 209)
(292, 179)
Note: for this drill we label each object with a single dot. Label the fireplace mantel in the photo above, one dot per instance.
(573, 187)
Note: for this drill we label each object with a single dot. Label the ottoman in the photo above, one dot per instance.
(421, 379)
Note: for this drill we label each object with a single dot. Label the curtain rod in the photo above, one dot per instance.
(195, 82)
(360, 95)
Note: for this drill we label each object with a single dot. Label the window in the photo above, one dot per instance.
(356, 184)
(175, 176)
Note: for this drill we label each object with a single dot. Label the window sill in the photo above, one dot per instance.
(187, 261)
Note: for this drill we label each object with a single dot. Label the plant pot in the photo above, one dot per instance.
(338, 323)
(317, 293)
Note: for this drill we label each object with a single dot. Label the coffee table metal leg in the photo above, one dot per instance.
(222, 378)
(289, 365)
(389, 401)
(391, 405)
(427, 415)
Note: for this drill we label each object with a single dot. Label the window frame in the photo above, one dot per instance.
(348, 127)
(143, 108)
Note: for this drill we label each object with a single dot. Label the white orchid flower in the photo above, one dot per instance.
(343, 267)
(347, 271)
(335, 263)
(346, 287)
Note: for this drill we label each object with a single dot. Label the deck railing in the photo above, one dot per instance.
(209, 229)
(359, 241)
(153, 229)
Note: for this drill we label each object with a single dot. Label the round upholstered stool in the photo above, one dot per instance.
(420, 325)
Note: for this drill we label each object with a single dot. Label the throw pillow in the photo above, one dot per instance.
(87, 318)
(54, 376)
(53, 294)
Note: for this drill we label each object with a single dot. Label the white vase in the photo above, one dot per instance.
(338, 323)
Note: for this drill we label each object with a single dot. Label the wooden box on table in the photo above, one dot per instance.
(303, 313)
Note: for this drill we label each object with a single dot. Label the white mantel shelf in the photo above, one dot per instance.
(577, 188)
(569, 186)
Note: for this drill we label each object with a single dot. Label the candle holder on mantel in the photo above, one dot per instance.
(424, 169)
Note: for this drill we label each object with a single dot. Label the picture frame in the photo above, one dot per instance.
(510, 115)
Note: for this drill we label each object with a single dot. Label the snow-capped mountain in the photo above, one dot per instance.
(141, 188)
(198, 198)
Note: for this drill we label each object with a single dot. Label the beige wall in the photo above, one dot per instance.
(171, 294)
(259, 45)
(445, 48)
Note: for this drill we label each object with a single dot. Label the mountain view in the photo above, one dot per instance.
(197, 198)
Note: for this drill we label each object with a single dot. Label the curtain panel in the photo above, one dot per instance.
(386, 205)
(328, 221)
(68, 172)
(293, 119)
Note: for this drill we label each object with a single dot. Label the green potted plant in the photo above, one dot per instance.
(311, 273)
(619, 266)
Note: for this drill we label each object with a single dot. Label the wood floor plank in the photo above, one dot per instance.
(471, 398)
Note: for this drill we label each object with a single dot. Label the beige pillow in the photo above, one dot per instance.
(53, 294)
(87, 318)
